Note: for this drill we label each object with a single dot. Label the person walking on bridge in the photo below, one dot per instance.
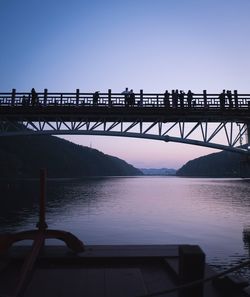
(131, 98)
(230, 99)
(166, 99)
(189, 98)
(175, 95)
(126, 96)
(95, 98)
(181, 98)
(34, 97)
(222, 98)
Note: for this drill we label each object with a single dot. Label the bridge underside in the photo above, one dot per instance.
(223, 135)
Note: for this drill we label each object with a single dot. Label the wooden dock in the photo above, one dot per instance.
(102, 271)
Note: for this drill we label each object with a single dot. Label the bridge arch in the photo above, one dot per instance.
(153, 131)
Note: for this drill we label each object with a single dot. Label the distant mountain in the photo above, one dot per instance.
(23, 156)
(159, 171)
(223, 164)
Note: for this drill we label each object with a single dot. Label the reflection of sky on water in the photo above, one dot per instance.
(143, 210)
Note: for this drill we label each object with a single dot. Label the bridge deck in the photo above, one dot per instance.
(150, 116)
(113, 106)
(127, 114)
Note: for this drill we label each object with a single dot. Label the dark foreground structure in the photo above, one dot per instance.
(116, 271)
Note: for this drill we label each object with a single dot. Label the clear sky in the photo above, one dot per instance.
(141, 44)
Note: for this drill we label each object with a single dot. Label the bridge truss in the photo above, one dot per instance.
(225, 135)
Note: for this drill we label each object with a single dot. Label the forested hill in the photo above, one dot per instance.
(23, 156)
(223, 164)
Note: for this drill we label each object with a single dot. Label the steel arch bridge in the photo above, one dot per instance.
(206, 121)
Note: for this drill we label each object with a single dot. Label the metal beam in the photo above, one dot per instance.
(241, 150)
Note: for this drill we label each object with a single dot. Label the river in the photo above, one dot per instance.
(213, 213)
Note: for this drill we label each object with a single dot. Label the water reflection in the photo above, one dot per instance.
(141, 210)
(17, 201)
(246, 238)
(20, 199)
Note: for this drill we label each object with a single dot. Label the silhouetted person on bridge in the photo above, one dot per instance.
(230, 99)
(222, 98)
(189, 98)
(181, 98)
(166, 99)
(126, 96)
(131, 98)
(95, 98)
(175, 95)
(24, 101)
(34, 97)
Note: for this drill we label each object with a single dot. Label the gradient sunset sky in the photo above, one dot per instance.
(152, 45)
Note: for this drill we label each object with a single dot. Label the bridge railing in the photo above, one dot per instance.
(109, 99)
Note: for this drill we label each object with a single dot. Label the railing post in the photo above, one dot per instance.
(191, 268)
(77, 96)
(236, 99)
(45, 97)
(205, 98)
(141, 98)
(13, 97)
(109, 98)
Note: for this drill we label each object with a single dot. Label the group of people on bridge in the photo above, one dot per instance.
(129, 98)
(178, 99)
(175, 99)
(226, 95)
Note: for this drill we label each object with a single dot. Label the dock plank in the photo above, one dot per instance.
(8, 279)
(57, 282)
(124, 282)
(109, 282)
(103, 251)
(157, 279)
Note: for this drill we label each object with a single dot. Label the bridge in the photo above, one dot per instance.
(210, 120)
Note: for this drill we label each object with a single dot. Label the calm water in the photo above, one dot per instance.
(213, 213)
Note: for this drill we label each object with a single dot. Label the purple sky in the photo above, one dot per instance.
(144, 44)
